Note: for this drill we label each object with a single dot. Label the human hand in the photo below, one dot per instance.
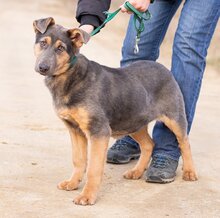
(87, 28)
(140, 5)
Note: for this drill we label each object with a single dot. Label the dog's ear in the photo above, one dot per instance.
(78, 36)
(41, 25)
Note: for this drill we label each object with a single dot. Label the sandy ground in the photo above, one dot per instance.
(35, 146)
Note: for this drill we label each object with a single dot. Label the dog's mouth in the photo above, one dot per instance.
(42, 73)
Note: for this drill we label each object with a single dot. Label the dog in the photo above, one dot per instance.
(96, 102)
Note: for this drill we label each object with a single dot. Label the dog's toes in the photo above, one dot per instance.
(67, 185)
(84, 200)
(189, 175)
(133, 174)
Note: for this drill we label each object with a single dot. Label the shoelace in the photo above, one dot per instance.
(159, 162)
(119, 145)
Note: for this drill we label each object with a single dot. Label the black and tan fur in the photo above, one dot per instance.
(96, 102)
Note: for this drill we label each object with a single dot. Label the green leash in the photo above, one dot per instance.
(73, 60)
(110, 16)
(139, 18)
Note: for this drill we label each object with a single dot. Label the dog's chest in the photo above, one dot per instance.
(77, 116)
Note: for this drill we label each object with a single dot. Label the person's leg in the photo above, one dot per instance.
(162, 12)
(195, 29)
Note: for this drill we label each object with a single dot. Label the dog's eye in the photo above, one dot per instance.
(60, 48)
(43, 44)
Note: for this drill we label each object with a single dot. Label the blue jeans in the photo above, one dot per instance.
(196, 26)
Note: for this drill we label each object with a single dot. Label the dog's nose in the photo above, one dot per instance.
(43, 68)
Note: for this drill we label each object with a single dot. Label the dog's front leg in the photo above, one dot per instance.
(79, 155)
(96, 159)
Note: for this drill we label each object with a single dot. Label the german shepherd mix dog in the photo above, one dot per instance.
(96, 102)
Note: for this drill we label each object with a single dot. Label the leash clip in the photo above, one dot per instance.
(136, 48)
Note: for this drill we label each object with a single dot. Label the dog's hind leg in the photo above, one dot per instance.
(189, 173)
(79, 155)
(146, 146)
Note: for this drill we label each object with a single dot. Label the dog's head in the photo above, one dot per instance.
(55, 46)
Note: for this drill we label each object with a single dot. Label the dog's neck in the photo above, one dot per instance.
(65, 86)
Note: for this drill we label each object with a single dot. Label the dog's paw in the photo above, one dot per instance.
(84, 199)
(133, 174)
(68, 185)
(189, 175)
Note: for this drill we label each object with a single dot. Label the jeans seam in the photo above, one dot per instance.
(198, 83)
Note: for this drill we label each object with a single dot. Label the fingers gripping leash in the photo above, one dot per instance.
(139, 18)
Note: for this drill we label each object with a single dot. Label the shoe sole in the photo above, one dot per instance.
(116, 161)
(161, 181)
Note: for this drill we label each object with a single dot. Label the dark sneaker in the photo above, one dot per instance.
(161, 170)
(123, 151)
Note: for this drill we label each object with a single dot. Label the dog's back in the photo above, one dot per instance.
(135, 95)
